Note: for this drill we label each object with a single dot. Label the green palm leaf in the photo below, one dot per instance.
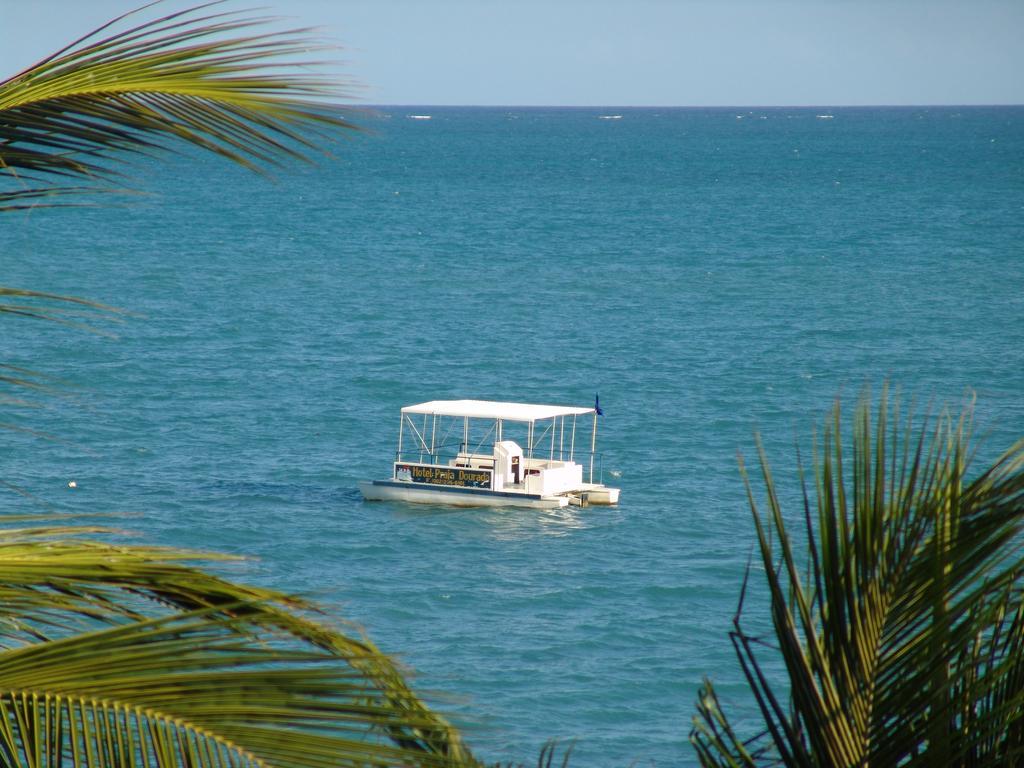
(69, 310)
(214, 80)
(180, 654)
(209, 79)
(902, 643)
(192, 689)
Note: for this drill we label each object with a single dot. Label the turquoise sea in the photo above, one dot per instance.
(711, 272)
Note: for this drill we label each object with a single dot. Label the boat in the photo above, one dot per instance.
(484, 453)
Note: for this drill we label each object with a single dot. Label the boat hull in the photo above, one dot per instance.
(387, 490)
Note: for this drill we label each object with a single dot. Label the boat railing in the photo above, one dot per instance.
(451, 456)
(459, 456)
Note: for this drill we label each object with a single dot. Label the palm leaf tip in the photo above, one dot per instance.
(217, 81)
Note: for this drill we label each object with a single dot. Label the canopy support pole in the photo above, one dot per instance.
(593, 447)
(401, 423)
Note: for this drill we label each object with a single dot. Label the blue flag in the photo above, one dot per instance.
(597, 406)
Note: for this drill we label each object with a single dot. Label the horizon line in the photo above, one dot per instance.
(410, 105)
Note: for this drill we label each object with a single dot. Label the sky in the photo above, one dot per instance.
(626, 52)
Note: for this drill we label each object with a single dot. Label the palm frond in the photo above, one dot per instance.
(194, 688)
(903, 641)
(219, 81)
(58, 593)
(68, 310)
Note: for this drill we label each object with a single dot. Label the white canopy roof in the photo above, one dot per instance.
(486, 409)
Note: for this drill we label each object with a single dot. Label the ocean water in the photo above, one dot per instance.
(711, 272)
